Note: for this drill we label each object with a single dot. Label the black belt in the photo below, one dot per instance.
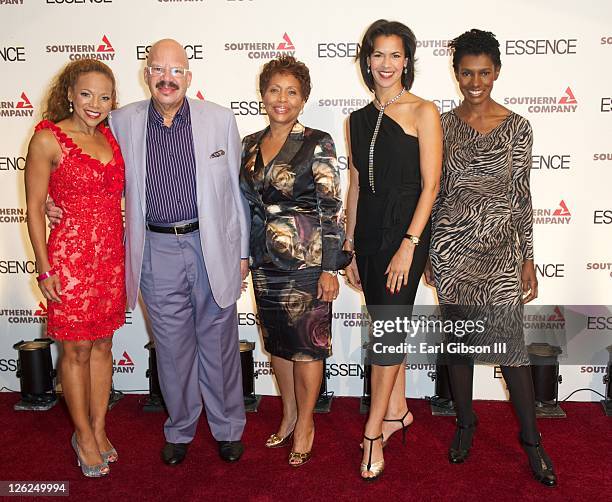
(179, 229)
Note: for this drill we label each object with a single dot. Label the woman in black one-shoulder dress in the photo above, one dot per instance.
(396, 156)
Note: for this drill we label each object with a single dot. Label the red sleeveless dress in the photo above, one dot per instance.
(86, 247)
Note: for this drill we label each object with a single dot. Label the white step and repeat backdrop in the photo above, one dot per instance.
(556, 72)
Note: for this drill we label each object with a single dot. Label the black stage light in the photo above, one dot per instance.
(115, 397)
(251, 400)
(364, 403)
(36, 375)
(546, 379)
(441, 402)
(323, 404)
(607, 403)
(154, 401)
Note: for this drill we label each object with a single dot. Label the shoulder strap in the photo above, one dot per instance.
(60, 136)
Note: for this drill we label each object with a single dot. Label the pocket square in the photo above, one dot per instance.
(218, 153)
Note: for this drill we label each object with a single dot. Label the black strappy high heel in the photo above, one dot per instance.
(404, 427)
(463, 436)
(540, 463)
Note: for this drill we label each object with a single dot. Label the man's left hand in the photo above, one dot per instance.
(244, 268)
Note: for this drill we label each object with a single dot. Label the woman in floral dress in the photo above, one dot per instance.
(290, 179)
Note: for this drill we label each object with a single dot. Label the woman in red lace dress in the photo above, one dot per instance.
(75, 159)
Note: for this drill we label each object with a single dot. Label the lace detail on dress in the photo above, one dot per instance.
(86, 247)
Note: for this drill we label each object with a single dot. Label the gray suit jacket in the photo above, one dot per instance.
(222, 209)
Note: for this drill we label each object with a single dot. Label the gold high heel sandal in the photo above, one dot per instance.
(375, 468)
(276, 441)
(297, 459)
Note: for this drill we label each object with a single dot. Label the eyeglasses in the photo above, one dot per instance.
(158, 71)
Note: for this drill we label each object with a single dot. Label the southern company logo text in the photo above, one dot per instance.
(20, 108)
(559, 216)
(550, 321)
(567, 103)
(26, 316)
(263, 50)
(124, 365)
(103, 51)
(13, 215)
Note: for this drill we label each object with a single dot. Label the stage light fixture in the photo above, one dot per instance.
(36, 375)
(607, 402)
(546, 379)
(364, 403)
(154, 402)
(115, 397)
(441, 402)
(323, 404)
(251, 400)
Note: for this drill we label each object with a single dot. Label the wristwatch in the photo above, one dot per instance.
(413, 238)
(332, 272)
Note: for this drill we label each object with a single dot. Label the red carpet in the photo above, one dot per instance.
(35, 446)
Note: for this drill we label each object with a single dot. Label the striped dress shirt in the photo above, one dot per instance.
(171, 195)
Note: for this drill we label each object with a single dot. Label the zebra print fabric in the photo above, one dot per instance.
(482, 227)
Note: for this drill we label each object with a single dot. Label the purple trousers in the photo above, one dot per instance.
(196, 341)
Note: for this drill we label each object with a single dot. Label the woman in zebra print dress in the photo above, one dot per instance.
(482, 240)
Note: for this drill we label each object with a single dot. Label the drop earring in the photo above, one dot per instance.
(70, 109)
(405, 70)
(368, 70)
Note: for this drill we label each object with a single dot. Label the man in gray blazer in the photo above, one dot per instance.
(186, 244)
(187, 228)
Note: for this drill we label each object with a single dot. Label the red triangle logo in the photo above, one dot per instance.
(562, 210)
(557, 315)
(569, 98)
(106, 45)
(125, 360)
(42, 310)
(287, 45)
(199, 95)
(25, 102)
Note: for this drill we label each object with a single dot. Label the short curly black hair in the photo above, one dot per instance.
(475, 42)
(386, 29)
(288, 65)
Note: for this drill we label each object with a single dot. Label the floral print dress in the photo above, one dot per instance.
(296, 232)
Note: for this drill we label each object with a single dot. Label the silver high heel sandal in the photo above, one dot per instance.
(110, 456)
(90, 471)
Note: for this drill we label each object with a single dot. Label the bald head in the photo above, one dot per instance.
(166, 49)
(169, 83)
